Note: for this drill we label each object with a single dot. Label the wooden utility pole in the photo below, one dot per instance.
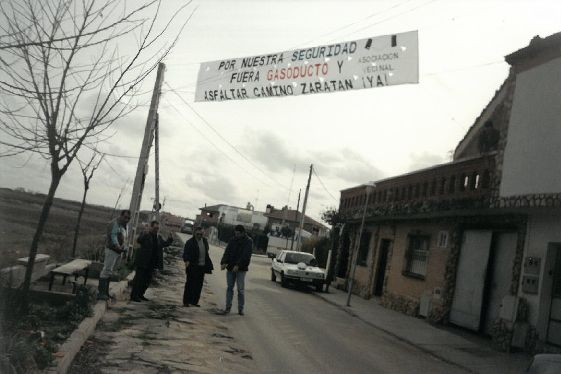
(299, 248)
(142, 167)
(295, 219)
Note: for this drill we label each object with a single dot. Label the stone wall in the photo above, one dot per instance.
(440, 313)
(552, 200)
(401, 304)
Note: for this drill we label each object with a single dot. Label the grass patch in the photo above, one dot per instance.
(27, 342)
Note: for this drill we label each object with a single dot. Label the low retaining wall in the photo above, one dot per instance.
(73, 344)
(14, 276)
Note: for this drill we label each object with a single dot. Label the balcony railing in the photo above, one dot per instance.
(456, 185)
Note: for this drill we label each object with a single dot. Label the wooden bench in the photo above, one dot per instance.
(77, 267)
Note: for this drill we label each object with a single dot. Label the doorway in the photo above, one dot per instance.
(499, 276)
(381, 268)
(343, 258)
(554, 325)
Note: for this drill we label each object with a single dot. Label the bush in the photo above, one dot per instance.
(322, 247)
(260, 241)
(27, 342)
(225, 232)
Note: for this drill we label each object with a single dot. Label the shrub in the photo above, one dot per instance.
(322, 247)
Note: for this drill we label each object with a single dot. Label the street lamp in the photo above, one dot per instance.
(354, 255)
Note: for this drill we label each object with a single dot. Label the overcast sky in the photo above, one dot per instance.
(351, 137)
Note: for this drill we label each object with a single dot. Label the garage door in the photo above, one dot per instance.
(470, 279)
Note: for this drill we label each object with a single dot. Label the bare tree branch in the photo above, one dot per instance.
(68, 72)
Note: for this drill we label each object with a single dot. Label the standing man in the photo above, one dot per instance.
(115, 239)
(236, 260)
(146, 259)
(197, 264)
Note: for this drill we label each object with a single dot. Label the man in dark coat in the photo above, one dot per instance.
(197, 264)
(146, 259)
(236, 260)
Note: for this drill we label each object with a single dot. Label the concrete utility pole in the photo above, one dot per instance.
(142, 167)
(354, 255)
(157, 205)
(304, 209)
(295, 219)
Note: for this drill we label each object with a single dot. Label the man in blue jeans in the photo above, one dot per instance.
(236, 260)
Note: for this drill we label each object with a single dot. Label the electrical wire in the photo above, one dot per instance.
(225, 140)
(388, 18)
(218, 148)
(323, 185)
(352, 23)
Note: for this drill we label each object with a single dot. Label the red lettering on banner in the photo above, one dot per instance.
(294, 72)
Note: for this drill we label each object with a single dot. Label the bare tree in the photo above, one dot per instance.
(68, 70)
(88, 169)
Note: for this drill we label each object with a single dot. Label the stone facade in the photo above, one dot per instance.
(465, 194)
(400, 303)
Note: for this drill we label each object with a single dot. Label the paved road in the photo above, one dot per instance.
(293, 331)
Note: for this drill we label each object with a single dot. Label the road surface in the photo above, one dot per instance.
(291, 330)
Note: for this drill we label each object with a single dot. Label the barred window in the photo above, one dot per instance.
(417, 255)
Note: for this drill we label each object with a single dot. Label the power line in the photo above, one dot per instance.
(323, 185)
(389, 18)
(225, 140)
(496, 62)
(353, 23)
(218, 148)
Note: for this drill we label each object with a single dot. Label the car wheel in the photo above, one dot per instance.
(273, 276)
(319, 287)
(284, 281)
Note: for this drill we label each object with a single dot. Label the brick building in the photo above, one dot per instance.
(475, 242)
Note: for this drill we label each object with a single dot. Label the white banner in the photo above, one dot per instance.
(374, 62)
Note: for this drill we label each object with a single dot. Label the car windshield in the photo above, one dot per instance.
(295, 258)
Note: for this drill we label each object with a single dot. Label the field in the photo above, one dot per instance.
(19, 214)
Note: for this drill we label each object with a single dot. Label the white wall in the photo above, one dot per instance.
(259, 217)
(543, 228)
(231, 216)
(533, 151)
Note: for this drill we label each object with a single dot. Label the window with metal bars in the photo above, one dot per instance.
(417, 255)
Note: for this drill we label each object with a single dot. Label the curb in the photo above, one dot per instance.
(70, 348)
(400, 338)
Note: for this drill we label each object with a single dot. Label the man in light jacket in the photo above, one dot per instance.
(115, 247)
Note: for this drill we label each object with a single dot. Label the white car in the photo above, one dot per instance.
(297, 267)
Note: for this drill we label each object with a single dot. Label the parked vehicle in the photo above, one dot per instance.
(299, 268)
(187, 228)
(545, 364)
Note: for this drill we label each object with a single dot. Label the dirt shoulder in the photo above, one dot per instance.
(161, 336)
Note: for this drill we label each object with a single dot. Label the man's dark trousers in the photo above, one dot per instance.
(193, 284)
(141, 282)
